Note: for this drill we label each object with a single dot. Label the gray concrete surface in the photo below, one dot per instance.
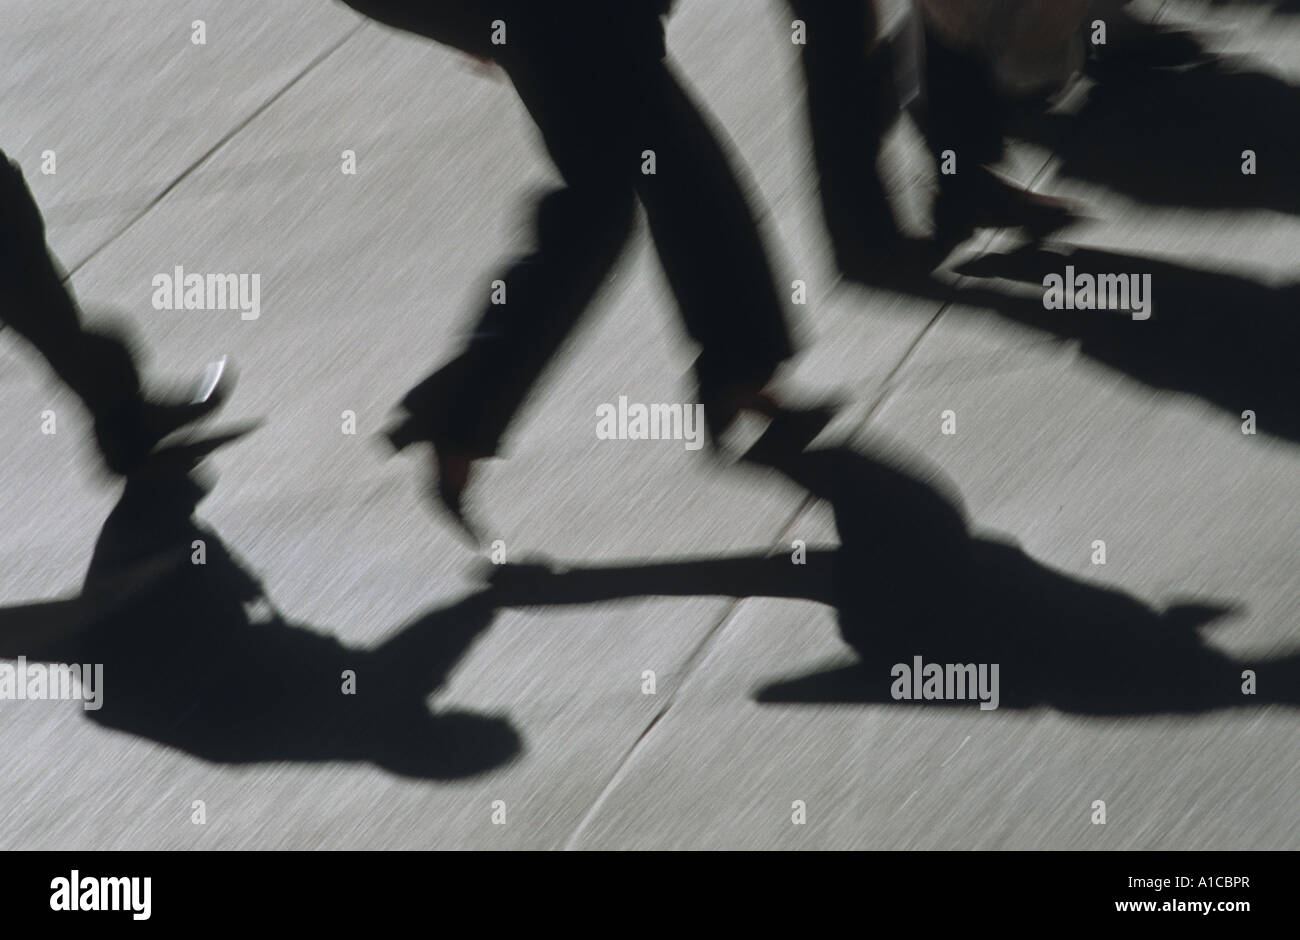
(226, 157)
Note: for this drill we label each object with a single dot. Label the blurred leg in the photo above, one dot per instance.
(709, 244)
(850, 97)
(598, 90)
(469, 403)
(965, 114)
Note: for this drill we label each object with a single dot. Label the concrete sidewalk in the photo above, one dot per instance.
(226, 157)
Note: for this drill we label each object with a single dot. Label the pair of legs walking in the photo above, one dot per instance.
(852, 102)
(620, 128)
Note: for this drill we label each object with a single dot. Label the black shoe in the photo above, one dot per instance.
(992, 202)
(451, 468)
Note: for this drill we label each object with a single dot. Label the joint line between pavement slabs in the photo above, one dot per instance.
(227, 138)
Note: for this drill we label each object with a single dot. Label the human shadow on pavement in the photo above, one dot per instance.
(1175, 137)
(187, 665)
(1226, 338)
(909, 579)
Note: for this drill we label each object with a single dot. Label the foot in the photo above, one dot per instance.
(995, 203)
(451, 468)
(128, 434)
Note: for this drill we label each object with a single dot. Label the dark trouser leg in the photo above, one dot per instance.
(850, 100)
(35, 303)
(709, 244)
(600, 94)
(470, 401)
(566, 75)
(968, 116)
(964, 112)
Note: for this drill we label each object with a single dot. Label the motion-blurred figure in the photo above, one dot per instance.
(986, 58)
(978, 57)
(978, 61)
(592, 75)
(98, 367)
(850, 74)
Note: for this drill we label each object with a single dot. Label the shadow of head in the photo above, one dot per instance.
(909, 581)
(446, 746)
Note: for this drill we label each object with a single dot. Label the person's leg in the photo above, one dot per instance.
(570, 73)
(467, 404)
(97, 366)
(595, 84)
(965, 114)
(851, 103)
(709, 244)
(570, 83)
(707, 237)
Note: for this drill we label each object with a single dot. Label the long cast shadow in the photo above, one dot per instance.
(1170, 136)
(909, 579)
(185, 663)
(1226, 338)
(1175, 137)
